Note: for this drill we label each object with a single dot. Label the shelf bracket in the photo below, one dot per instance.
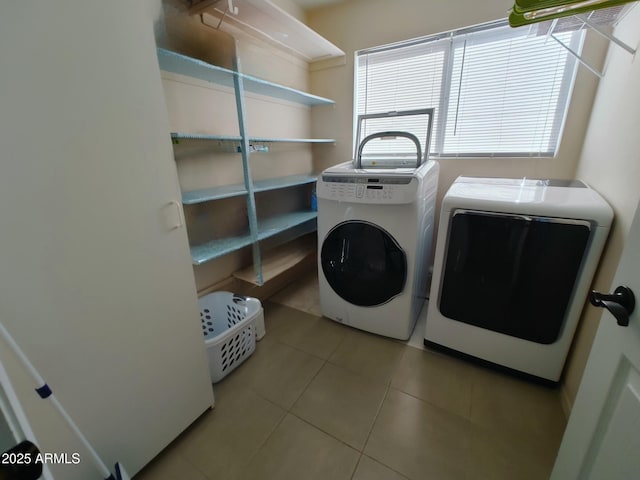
(606, 34)
(598, 30)
(575, 54)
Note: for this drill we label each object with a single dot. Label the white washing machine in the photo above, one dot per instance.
(513, 264)
(375, 234)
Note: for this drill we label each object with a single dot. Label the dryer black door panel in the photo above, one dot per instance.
(512, 274)
(363, 263)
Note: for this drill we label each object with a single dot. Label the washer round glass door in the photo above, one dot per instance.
(363, 263)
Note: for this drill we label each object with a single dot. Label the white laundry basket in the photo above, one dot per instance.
(229, 328)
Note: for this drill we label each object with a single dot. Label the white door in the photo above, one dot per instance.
(96, 283)
(602, 440)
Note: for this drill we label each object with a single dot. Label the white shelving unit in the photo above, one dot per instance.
(266, 229)
(227, 191)
(259, 229)
(192, 67)
(223, 138)
(267, 21)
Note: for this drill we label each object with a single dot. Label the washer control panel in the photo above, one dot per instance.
(367, 189)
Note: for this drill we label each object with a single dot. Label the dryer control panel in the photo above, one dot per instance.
(368, 189)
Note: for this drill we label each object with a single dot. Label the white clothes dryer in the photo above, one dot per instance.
(375, 236)
(513, 263)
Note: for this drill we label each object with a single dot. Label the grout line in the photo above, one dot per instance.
(353, 474)
(194, 466)
(375, 418)
(306, 387)
(267, 438)
(384, 398)
(342, 339)
(383, 464)
(295, 347)
(399, 362)
(437, 407)
(325, 432)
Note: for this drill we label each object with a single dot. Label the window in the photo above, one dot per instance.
(496, 90)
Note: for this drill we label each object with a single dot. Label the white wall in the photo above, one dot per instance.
(610, 163)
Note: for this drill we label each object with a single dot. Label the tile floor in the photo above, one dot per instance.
(318, 400)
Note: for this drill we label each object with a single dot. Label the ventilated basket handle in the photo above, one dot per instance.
(239, 299)
(408, 135)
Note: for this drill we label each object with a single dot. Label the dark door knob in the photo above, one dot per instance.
(620, 303)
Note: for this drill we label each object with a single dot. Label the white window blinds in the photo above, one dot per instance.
(496, 91)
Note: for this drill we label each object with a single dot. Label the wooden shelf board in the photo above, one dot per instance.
(278, 261)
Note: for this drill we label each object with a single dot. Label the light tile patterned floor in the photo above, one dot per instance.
(318, 400)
